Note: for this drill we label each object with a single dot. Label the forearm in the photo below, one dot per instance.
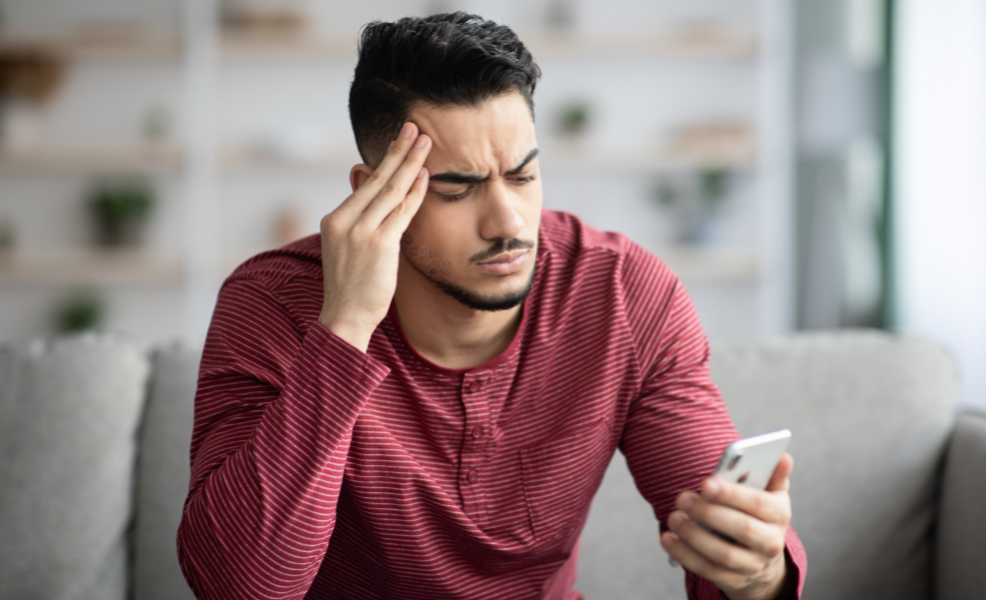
(259, 523)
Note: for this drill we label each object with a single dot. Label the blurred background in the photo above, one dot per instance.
(810, 164)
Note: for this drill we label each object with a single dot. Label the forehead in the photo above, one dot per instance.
(494, 135)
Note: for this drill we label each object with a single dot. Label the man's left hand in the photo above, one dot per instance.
(750, 567)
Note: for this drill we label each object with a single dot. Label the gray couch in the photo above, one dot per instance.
(889, 488)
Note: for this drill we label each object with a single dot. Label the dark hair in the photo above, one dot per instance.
(444, 59)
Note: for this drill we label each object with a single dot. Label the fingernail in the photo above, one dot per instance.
(712, 487)
(422, 140)
(686, 502)
(421, 173)
(406, 130)
(675, 520)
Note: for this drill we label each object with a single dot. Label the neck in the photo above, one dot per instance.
(445, 331)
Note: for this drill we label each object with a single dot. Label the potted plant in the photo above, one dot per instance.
(82, 310)
(120, 210)
(696, 200)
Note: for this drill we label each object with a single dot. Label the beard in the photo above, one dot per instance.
(435, 270)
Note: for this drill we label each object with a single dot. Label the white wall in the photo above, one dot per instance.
(940, 180)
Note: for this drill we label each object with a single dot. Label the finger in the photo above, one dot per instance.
(762, 538)
(398, 220)
(396, 153)
(773, 507)
(692, 560)
(780, 480)
(396, 190)
(714, 548)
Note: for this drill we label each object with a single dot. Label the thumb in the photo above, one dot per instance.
(779, 481)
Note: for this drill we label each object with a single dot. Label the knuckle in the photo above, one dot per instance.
(729, 559)
(785, 514)
(330, 222)
(389, 189)
(747, 529)
(775, 547)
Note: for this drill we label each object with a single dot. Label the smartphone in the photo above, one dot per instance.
(751, 461)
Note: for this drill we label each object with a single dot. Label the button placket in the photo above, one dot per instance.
(477, 413)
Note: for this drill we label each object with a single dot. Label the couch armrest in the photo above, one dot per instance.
(961, 546)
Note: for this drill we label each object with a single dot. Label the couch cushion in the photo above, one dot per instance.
(961, 558)
(69, 412)
(871, 415)
(162, 478)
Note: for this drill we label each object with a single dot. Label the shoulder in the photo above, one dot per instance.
(272, 269)
(573, 244)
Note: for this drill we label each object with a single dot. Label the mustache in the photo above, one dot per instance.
(500, 246)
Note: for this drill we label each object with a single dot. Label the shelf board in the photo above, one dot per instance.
(244, 162)
(249, 45)
(710, 264)
(683, 44)
(571, 157)
(581, 157)
(91, 159)
(88, 267)
(99, 45)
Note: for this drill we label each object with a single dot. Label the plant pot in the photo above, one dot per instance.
(120, 233)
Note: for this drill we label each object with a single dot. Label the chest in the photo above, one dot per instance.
(511, 455)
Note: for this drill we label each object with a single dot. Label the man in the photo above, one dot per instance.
(421, 401)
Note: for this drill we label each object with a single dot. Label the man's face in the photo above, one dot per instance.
(475, 235)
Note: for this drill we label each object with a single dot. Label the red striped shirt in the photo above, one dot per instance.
(322, 472)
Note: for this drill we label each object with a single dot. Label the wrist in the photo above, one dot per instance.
(354, 334)
(773, 584)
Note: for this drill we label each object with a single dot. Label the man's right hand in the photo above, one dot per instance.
(361, 240)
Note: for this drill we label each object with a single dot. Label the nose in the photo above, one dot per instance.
(501, 217)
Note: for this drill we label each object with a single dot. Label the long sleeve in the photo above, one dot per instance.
(274, 413)
(678, 426)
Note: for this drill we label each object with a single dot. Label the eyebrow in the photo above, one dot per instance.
(454, 177)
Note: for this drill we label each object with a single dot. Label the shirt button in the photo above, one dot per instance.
(477, 432)
(473, 476)
(473, 387)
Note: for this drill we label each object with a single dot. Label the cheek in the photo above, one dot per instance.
(438, 226)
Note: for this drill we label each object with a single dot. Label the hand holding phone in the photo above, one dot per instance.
(751, 462)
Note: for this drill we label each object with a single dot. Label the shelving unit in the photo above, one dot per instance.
(208, 171)
(89, 268)
(139, 159)
(96, 45)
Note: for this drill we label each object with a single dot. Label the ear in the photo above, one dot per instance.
(359, 174)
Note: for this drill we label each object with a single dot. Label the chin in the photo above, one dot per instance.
(491, 302)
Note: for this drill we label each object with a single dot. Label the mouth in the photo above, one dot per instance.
(507, 263)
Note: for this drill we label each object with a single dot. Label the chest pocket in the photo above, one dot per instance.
(560, 479)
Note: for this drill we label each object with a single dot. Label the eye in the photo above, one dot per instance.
(523, 180)
(454, 197)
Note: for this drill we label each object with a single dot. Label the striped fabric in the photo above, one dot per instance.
(321, 472)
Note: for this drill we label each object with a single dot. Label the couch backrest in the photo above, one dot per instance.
(69, 413)
(870, 414)
(162, 474)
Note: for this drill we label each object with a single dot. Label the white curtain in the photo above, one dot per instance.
(940, 179)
